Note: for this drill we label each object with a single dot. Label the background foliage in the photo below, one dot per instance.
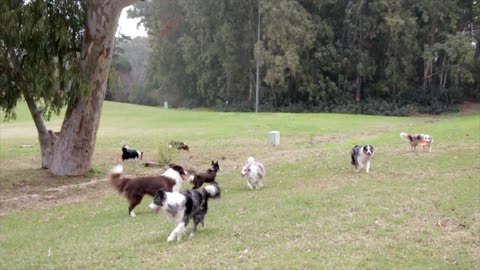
(393, 57)
(39, 46)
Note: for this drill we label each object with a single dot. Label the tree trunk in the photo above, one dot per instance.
(428, 67)
(251, 84)
(73, 149)
(46, 137)
(443, 71)
(476, 56)
(358, 91)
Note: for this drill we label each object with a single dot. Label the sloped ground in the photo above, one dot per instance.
(30, 188)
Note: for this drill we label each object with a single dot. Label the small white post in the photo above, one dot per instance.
(165, 104)
(274, 138)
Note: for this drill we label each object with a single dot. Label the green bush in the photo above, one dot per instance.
(166, 153)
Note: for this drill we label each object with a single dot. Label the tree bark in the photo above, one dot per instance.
(73, 149)
(443, 71)
(476, 56)
(358, 89)
(428, 67)
(251, 80)
(46, 137)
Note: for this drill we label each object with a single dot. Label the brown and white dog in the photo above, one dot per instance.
(422, 139)
(135, 188)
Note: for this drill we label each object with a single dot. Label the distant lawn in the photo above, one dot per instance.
(413, 211)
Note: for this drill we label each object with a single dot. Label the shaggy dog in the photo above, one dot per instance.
(361, 157)
(414, 140)
(253, 172)
(128, 153)
(183, 206)
(135, 188)
(208, 177)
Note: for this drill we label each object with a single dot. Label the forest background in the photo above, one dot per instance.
(352, 56)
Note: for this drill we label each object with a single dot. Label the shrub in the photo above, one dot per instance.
(166, 154)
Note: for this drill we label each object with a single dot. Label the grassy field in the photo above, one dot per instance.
(413, 211)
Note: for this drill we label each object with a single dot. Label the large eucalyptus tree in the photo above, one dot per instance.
(56, 54)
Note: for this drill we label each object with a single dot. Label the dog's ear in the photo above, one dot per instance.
(213, 163)
(160, 192)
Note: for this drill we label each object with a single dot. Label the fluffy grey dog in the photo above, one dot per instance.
(253, 172)
(361, 157)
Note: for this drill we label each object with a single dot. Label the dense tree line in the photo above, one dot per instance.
(370, 56)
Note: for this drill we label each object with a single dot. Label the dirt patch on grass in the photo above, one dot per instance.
(52, 197)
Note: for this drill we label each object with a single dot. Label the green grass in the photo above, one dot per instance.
(413, 211)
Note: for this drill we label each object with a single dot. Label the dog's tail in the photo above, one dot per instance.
(353, 153)
(191, 178)
(406, 136)
(116, 178)
(213, 191)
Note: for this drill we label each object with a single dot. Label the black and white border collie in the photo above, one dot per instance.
(183, 206)
(128, 153)
(135, 188)
(414, 140)
(361, 157)
(208, 177)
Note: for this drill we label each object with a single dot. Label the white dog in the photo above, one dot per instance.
(253, 172)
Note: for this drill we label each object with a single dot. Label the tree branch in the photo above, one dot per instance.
(126, 3)
(36, 114)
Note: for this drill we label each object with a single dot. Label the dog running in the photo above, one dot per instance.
(135, 188)
(362, 156)
(253, 172)
(128, 153)
(422, 139)
(207, 177)
(183, 206)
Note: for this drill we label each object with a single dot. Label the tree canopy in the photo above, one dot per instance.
(57, 53)
(316, 55)
(40, 44)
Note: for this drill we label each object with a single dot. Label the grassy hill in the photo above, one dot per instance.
(414, 210)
